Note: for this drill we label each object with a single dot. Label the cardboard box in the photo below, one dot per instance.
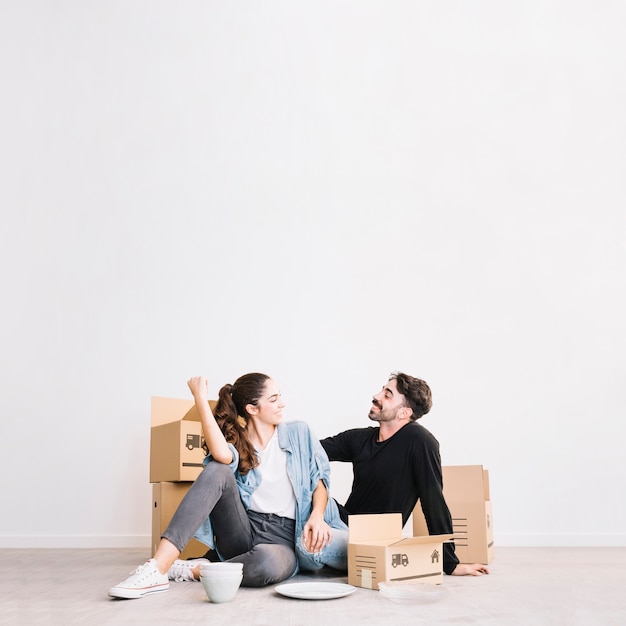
(378, 552)
(466, 490)
(165, 500)
(176, 440)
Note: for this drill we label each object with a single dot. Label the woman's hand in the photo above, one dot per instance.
(317, 534)
(199, 387)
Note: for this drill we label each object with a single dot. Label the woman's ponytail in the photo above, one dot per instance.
(233, 426)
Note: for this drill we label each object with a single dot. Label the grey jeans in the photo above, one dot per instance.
(264, 543)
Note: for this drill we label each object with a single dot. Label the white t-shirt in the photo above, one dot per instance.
(275, 493)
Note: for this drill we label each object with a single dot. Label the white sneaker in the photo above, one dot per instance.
(180, 570)
(144, 580)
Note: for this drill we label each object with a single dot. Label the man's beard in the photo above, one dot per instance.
(383, 415)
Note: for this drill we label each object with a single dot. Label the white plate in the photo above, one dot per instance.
(315, 591)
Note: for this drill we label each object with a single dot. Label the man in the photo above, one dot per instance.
(398, 463)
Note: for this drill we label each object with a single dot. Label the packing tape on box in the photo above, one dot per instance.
(366, 578)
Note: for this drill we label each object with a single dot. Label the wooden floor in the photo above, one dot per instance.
(527, 586)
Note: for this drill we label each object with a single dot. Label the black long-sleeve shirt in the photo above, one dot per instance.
(392, 475)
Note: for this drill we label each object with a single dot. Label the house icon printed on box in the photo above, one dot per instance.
(434, 557)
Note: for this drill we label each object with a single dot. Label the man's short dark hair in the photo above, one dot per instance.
(416, 393)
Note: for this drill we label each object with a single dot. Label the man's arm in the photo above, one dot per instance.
(428, 474)
(437, 514)
(337, 448)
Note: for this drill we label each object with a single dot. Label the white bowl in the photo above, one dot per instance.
(222, 575)
(220, 590)
(221, 565)
(222, 571)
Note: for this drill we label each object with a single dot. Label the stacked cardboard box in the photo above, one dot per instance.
(466, 490)
(377, 552)
(165, 500)
(176, 460)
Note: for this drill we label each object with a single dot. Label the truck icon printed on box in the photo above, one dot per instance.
(176, 441)
(378, 552)
(193, 441)
(399, 559)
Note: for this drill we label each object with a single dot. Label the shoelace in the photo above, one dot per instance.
(181, 572)
(141, 570)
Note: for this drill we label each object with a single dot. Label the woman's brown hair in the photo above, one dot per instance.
(232, 417)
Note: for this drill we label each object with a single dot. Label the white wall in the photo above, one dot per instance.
(327, 192)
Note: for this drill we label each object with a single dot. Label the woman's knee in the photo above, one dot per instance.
(334, 555)
(267, 564)
(214, 471)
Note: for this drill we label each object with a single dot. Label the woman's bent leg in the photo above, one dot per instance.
(266, 564)
(214, 492)
(272, 558)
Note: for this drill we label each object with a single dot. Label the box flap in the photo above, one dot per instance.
(385, 527)
(410, 541)
(464, 483)
(192, 414)
(166, 410)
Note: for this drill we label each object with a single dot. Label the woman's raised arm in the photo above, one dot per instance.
(213, 436)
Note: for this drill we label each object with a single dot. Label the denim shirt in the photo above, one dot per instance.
(307, 464)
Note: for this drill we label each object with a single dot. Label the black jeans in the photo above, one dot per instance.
(264, 543)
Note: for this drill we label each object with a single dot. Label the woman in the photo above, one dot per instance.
(261, 500)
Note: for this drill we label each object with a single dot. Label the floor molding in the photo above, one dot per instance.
(75, 541)
(512, 540)
(559, 540)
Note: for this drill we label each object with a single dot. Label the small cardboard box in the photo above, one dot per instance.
(165, 500)
(377, 552)
(466, 490)
(176, 440)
